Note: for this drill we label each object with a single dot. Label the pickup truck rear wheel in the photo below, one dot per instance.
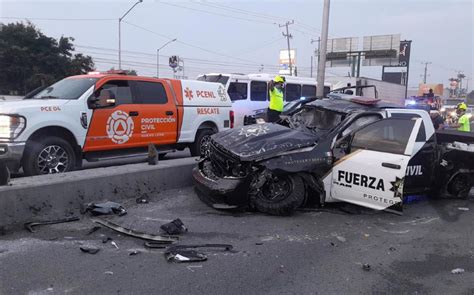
(201, 144)
(460, 186)
(47, 156)
(280, 196)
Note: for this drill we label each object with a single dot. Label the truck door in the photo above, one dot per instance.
(372, 174)
(157, 113)
(112, 127)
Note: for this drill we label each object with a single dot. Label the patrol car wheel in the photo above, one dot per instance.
(201, 145)
(280, 196)
(47, 156)
(460, 186)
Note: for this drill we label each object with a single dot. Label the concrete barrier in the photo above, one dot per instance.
(50, 197)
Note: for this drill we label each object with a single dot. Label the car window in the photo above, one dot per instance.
(421, 136)
(293, 92)
(121, 90)
(237, 91)
(389, 135)
(150, 93)
(258, 91)
(69, 88)
(308, 90)
(359, 122)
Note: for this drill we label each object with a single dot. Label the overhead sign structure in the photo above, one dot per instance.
(381, 50)
(339, 50)
(285, 62)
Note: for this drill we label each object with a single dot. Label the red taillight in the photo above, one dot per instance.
(231, 116)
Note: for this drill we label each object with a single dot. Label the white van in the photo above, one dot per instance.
(249, 92)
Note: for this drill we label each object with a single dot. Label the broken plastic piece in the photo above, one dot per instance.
(29, 225)
(174, 227)
(106, 208)
(457, 271)
(155, 245)
(90, 250)
(184, 253)
(366, 267)
(134, 233)
(134, 252)
(142, 200)
(463, 208)
(114, 244)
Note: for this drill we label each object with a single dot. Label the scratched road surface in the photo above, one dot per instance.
(308, 253)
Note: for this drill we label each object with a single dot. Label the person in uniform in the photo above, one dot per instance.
(464, 121)
(276, 99)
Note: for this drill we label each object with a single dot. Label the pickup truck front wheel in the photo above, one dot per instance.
(201, 144)
(280, 195)
(47, 156)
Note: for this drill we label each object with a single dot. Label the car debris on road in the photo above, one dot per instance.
(174, 227)
(30, 225)
(186, 253)
(106, 208)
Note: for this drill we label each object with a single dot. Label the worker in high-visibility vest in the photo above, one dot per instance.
(464, 121)
(276, 98)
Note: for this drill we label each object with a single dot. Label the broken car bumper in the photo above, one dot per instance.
(218, 192)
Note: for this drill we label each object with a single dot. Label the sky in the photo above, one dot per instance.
(246, 37)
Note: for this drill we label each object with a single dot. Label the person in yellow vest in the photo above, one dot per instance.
(276, 98)
(464, 121)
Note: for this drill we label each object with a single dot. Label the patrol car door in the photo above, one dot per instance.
(112, 127)
(372, 174)
(157, 113)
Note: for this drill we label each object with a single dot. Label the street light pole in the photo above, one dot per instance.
(322, 51)
(120, 33)
(158, 57)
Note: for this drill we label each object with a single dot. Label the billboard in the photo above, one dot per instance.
(285, 62)
(338, 51)
(425, 88)
(404, 53)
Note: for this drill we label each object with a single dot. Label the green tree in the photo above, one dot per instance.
(29, 59)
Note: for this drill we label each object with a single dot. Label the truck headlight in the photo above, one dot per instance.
(11, 126)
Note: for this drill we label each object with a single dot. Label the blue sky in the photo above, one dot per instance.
(239, 36)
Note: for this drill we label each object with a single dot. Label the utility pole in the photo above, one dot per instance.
(158, 57)
(288, 37)
(316, 53)
(426, 71)
(120, 32)
(322, 51)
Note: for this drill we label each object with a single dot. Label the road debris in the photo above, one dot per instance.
(106, 209)
(113, 243)
(463, 208)
(366, 267)
(29, 225)
(90, 250)
(185, 253)
(192, 267)
(457, 271)
(174, 227)
(134, 233)
(109, 273)
(156, 245)
(152, 154)
(93, 230)
(392, 249)
(134, 252)
(142, 200)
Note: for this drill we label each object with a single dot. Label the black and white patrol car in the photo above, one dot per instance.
(358, 151)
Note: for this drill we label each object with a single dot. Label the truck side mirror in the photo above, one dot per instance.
(105, 98)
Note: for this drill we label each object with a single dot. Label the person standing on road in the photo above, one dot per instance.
(276, 98)
(464, 121)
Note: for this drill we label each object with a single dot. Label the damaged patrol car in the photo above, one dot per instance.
(359, 151)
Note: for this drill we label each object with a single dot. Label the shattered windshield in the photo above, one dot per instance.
(69, 88)
(315, 119)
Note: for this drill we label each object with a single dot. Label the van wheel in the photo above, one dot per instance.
(201, 145)
(280, 195)
(48, 155)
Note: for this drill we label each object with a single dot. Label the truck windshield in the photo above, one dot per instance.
(69, 88)
(316, 119)
(214, 78)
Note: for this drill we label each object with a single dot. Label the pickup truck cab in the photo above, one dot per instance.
(366, 153)
(108, 115)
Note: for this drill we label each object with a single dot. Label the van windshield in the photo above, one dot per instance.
(214, 78)
(69, 88)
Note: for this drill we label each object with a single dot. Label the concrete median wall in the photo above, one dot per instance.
(49, 197)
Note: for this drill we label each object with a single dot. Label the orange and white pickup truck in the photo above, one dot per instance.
(109, 115)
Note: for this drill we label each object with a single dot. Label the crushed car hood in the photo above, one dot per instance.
(262, 141)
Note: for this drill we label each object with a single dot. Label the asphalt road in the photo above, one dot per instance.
(313, 252)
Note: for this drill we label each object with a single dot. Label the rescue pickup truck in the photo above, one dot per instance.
(359, 151)
(109, 115)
